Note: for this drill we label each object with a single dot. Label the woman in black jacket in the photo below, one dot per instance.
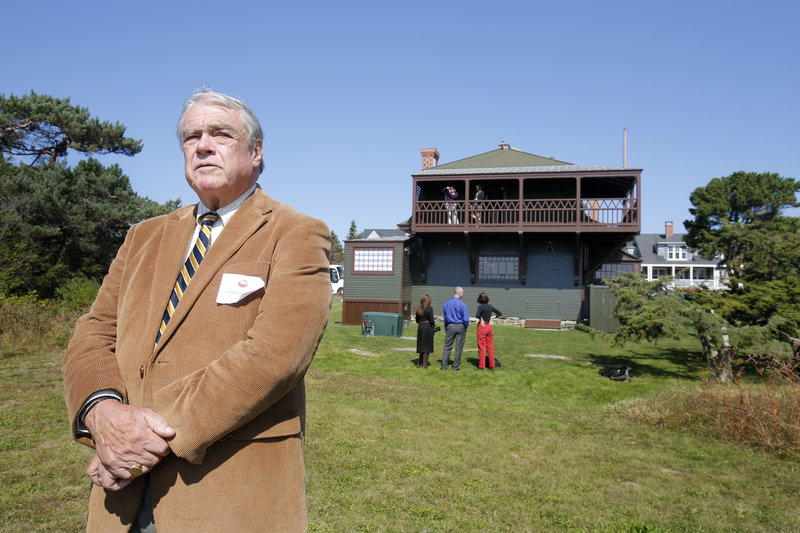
(485, 333)
(425, 330)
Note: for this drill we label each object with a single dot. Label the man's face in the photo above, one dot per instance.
(219, 164)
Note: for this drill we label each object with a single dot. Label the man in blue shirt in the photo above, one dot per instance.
(456, 321)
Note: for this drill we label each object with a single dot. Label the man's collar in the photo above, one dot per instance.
(227, 209)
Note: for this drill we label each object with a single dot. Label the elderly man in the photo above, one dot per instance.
(456, 322)
(191, 390)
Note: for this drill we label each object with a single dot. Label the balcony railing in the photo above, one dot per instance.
(566, 214)
(688, 283)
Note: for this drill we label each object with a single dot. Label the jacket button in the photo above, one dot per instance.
(141, 371)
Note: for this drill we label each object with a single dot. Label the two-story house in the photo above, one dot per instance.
(667, 255)
(531, 240)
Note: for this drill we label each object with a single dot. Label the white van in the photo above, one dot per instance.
(337, 279)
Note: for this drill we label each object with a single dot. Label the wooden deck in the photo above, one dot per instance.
(527, 215)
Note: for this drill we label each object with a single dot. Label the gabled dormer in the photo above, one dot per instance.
(671, 247)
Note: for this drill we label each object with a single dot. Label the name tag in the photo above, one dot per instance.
(234, 287)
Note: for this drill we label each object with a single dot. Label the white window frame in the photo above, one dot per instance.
(676, 252)
(373, 260)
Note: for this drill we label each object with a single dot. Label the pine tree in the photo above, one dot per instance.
(353, 233)
(59, 222)
(337, 252)
(726, 209)
(40, 129)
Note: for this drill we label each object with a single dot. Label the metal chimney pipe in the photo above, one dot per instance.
(625, 148)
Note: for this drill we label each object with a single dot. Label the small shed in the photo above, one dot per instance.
(376, 275)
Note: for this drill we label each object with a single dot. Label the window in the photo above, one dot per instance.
(703, 273)
(611, 270)
(676, 251)
(498, 268)
(373, 260)
(661, 271)
(644, 272)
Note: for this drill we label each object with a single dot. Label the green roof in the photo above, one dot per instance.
(503, 157)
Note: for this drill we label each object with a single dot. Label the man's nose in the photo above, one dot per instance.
(205, 144)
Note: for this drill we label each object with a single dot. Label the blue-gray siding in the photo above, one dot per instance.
(549, 292)
(550, 262)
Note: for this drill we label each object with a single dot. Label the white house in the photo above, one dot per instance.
(667, 255)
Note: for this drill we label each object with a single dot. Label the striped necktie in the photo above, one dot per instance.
(189, 268)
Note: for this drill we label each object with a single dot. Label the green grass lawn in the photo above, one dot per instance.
(536, 445)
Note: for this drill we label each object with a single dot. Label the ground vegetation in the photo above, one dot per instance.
(540, 444)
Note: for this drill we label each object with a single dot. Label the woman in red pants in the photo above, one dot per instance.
(485, 334)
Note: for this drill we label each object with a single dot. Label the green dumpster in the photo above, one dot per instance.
(383, 324)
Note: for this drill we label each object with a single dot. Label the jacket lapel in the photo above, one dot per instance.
(250, 216)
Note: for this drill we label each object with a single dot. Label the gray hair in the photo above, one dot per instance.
(458, 290)
(208, 96)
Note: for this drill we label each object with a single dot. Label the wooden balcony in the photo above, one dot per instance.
(566, 215)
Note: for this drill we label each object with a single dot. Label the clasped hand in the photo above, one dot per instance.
(125, 436)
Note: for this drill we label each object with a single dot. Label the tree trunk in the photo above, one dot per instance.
(725, 375)
(794, 363)
(719, 361)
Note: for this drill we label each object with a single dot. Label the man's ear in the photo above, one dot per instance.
(257, 153)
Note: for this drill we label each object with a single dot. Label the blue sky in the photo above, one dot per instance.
(348, 92)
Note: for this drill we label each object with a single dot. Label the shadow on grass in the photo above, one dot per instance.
(685, 364)
(474, 361)
(432, 362)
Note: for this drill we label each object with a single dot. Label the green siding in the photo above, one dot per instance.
(530, 303)
(375, 286)
(601, 309)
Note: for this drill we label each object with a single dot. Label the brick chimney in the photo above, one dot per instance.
(668, 229)
(430, 158)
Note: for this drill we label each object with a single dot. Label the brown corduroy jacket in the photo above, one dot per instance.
(227, 377)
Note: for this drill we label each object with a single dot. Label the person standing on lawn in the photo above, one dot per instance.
(426, 322)
(456, 322)
(191, 390)
(485, 333)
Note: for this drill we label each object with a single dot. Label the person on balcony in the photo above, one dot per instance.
(450, 196)
(477, 206)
